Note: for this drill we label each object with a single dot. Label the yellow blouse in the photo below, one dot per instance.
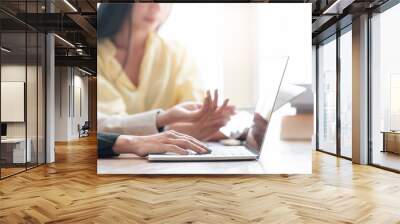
(167, 76)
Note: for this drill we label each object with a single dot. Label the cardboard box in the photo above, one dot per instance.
(298, 127)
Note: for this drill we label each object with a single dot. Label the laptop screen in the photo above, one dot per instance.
(269, 88)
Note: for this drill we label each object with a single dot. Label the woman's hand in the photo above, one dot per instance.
(201, 131)
(169, 141)
(194, 112)
(184, 112)
(207, 120)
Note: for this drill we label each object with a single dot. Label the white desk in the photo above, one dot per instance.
(12, 140)
(19, 155)
(276, 158)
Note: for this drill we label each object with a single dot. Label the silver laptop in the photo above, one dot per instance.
(251, 148)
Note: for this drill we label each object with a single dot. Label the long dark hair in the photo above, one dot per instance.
(110, 18)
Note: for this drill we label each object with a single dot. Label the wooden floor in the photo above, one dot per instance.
(386, 159)
(5, 172)
(70, 191)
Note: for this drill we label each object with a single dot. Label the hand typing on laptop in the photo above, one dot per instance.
(198, 120)
(166, 142)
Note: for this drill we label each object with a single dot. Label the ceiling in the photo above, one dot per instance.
(332, 15)
(75, 22)
(76, 25)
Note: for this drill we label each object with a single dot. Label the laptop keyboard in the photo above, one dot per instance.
(224, 151)
(217, 153)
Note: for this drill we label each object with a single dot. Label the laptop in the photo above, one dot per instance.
(251, 148)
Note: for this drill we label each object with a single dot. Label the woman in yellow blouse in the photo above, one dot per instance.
(138, 71)
(143, 67)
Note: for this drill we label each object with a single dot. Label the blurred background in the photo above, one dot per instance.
(234, 46)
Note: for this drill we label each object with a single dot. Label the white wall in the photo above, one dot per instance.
(14, 73)
(69, 85)
(61, 103)
(34, 126)
(80, 102)
(17, 73)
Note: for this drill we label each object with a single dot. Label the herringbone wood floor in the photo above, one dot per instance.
(69, 191)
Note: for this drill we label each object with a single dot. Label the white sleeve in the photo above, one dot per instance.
(136, 124)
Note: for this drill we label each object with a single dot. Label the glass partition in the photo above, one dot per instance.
(31, 97)
(22, 90)
(41, 96)
(385, 89)
(327, 96)
(15, 150)
(346, 93)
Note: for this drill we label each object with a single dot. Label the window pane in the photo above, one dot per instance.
(346, 94)
(31, 97)
(385, 112)
(327, 96)
(14, 153)
(41, 98)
